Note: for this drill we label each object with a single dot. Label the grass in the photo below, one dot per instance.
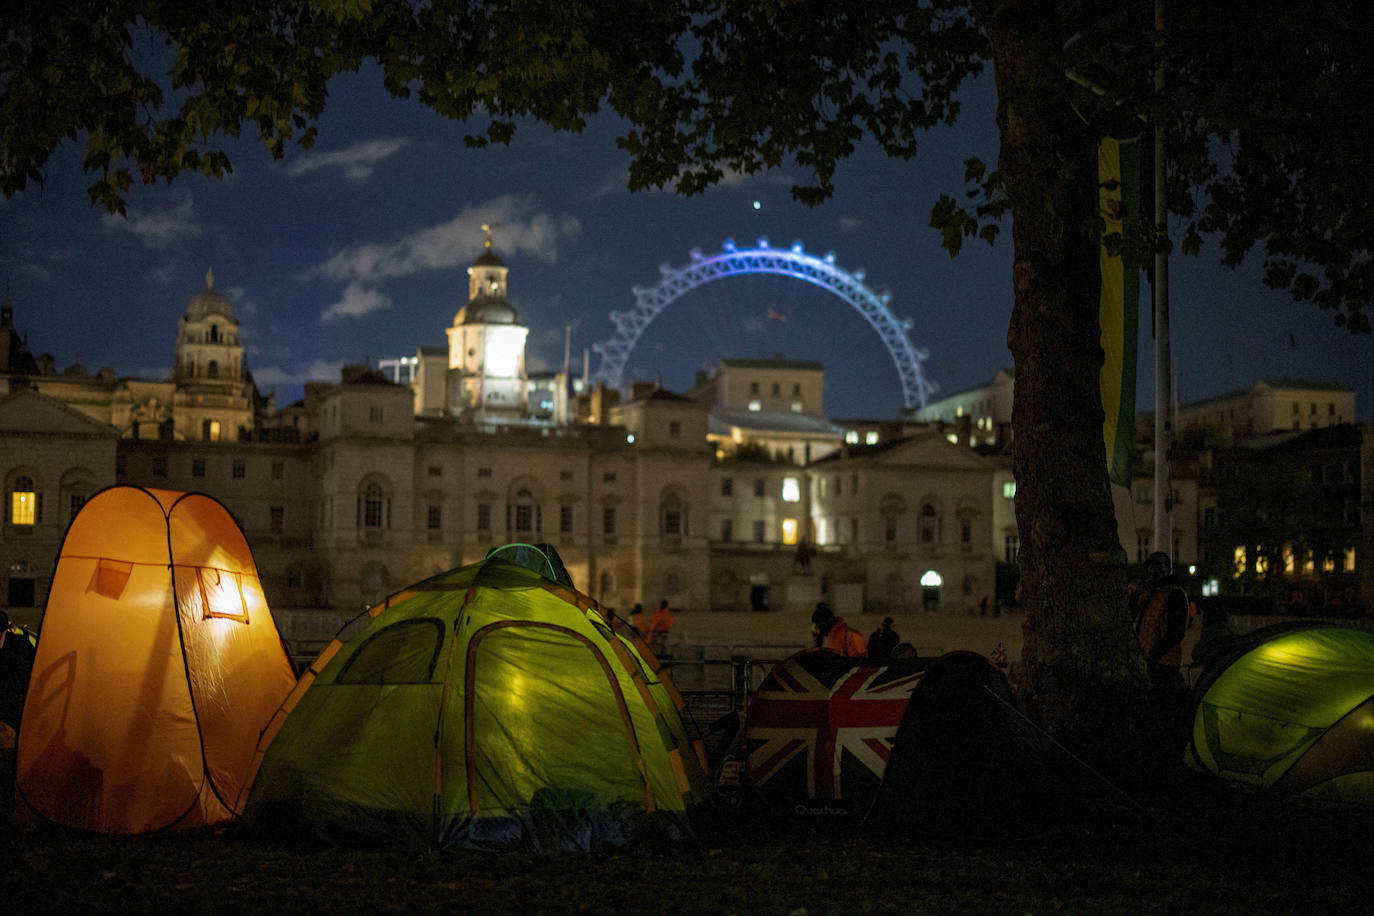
(1199, 849)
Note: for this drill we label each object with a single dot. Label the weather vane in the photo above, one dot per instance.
(489, 228)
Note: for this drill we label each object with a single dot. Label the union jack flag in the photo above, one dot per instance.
(819, 728)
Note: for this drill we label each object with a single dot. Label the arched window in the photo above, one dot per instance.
(527, 514)
(26, 503)
(374, 506)
(214, 333)
(212, 369)
(930, 524)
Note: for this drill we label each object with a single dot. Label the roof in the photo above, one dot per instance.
(208, 302)
(485, 309)
(488, 258)
(1286, 384)
(722, 419)
(775, 363)
(663, 394)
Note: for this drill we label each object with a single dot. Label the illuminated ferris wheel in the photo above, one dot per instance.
(791, 262)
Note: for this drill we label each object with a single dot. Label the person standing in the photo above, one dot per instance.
(835, 634)
(883, 640)
(660, 626)
(1159, 608)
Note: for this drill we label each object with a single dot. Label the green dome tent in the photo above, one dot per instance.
(1290, 709)
(487, 707)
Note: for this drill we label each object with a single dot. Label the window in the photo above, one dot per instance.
(608, 521)
(756, 405)
(1330, 410)
(871, 437)
(25, 504)
(197, 467)
(672, 521)
(278, 470)
(965, 531)
(374, 413)
(166, 430)
(608, 477)
(209, 430)
(753, 387)
(791, 490)
(758, 531)
(434, 517)
(674, 428)
(727, 529)
(796, 388)
(374, 502)
(796, 406)
(758, 486)
(214, 333)
(1209, 518)
(1013, 547)
(1296, 409)
(727, 486)
(484, 472)
(565, 475)
(930, 524)
(890, 529)
(789, 531)
(276, 519)
(121, 465)
(565, 519)
(524, 511)
(777, 388)
(240, 470)
(484, 516)
(77, 501)
(1009, 489)
(853, 483)
(1142, 546)
(212, 370)
(852, 437)
(159, 465)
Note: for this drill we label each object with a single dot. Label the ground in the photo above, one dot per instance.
(1196, 850)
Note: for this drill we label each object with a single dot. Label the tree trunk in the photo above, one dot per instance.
(1086, 678)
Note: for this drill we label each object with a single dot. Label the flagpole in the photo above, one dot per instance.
(1163, 501)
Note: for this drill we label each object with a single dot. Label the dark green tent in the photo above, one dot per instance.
(1292, 710)
(486, 707)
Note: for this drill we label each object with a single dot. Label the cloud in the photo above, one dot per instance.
(357, 162)
(450, 244)
(320, 370)
(356, 302)
(158, 228)
(849, 223)
(519, 230)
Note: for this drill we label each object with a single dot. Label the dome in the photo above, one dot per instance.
(208, 302)
(487, 310)
(488, 258)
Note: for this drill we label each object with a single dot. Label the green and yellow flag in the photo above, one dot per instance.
(1118, 173)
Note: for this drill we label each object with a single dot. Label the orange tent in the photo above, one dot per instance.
(158, 665)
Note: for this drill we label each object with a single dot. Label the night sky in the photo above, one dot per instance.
(356, 250)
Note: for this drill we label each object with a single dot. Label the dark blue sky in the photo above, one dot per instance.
(357, 248)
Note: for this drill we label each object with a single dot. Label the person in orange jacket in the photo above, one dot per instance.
(833, 633)
(660, 625)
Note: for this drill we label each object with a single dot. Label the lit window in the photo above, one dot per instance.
(852, 437)
(789, 531)
(1240, 561)
(796, 406)
(24, 503)
(871, 437)
(209, 430)
(791, 490)
(755, 405)
(1009, 489)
